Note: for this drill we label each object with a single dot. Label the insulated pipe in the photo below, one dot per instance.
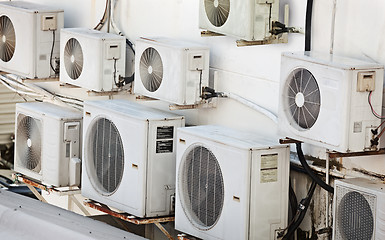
(252, 105)
(333, 26)
(310, 172)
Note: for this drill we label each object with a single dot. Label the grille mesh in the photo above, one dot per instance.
(303, 98)
(202, 188)
(28, 143)
(107, 156)
(7, 39)
(355, 215)
(217, 11)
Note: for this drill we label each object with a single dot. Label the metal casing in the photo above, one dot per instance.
(345, 119)
(181, 84)
(98, 69)
(358, 209)
(60, 133)
(255, 197)
(248, 19)
(147, 186)
(33, 47)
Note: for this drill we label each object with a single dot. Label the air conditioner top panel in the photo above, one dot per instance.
(90, 33)
(169, 42)
(231, 137)
(332, 60)
(363, 184)
(134, 110)
(29, 7)
(51, 110)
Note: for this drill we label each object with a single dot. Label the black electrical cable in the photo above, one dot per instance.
(309, 15)
(302, 208)
(56, 71)
(310, 172)
(293, 200)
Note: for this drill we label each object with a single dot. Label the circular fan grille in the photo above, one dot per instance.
(355, 217)
(8, 39)
(29, 143)
(202, 189)
(217, 11)
(106, 156)
(151, 69)
(303, 99)
(73, 58)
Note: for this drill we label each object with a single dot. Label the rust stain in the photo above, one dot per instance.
(126, 217)
(21, 178)
(369, 173)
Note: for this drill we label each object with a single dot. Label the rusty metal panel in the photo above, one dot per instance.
(8, 100)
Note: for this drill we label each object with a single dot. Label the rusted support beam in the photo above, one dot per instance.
(210, 34)
(288, 141)
(51, 189)
(37, 194)
(126, 217)
(164, 231)
(356, 154)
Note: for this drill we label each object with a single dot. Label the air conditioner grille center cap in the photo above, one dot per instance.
(4, 38)
(150, 69)
(216, 3)
(72, 58)
(299, 99)
(29, 142)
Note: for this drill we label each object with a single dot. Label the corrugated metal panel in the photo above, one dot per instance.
(8, 100)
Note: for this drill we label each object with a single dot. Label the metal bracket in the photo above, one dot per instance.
(132, 219)
(67, 191)
(210, 34)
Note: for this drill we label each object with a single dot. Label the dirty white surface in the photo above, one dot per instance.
(253, 72)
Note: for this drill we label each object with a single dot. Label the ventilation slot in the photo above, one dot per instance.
(202, 188)
(106, 162)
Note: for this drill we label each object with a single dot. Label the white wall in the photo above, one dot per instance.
(253, 72)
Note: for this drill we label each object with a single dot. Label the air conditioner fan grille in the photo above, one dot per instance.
(73, 58)
(302, 98)
(151, 69)
(217, 11)
(106, 153)
(28, 143)
(355, 215)
(7, 39)
(202, 187)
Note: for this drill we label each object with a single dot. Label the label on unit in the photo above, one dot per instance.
(269, 168)
(165, 132)
(164, 146)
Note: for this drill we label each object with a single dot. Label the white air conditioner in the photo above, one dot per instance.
(28, 32)
(48, 143)
(249, 20)
(171, 70)
(324, 100)
(230, 185)
(359, 207)
(92, 59)
(129, 157)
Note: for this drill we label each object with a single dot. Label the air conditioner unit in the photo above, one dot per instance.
(324, 100)
(47, 144)
(171, 70)
(129, 157)
(358, 212)
(230, 185)
(29, 42)
(249, 20)
(92, 59)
